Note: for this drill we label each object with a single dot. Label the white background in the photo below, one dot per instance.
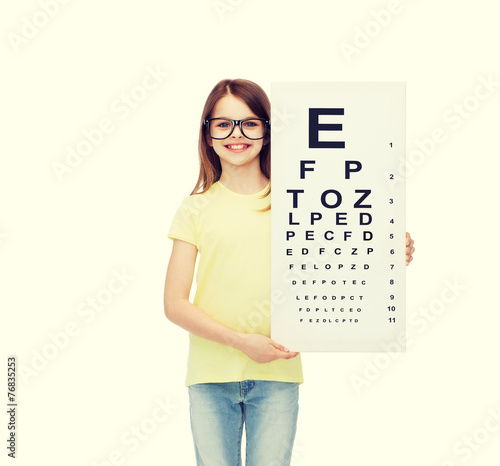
(62, 239)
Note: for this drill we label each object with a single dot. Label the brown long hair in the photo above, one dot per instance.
(256, 99)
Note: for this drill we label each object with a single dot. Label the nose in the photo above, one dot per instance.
(237, 131)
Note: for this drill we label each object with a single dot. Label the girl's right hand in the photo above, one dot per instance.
(262, 349)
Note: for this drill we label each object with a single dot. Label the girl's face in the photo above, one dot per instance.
(236, 150)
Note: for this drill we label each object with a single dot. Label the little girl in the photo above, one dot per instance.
(236, 374)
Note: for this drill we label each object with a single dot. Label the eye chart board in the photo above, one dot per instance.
(338, 216)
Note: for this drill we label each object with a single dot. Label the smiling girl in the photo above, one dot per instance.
(236, 374)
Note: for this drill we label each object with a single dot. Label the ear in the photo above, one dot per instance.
(208, 139)
(267, 137)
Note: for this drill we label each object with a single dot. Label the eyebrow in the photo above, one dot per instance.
(228, 118)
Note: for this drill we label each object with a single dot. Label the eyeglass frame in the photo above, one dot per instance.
(237, 123)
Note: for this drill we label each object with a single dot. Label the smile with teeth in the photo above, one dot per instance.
(237, 146)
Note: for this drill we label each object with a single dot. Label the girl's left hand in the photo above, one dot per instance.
(409, 248)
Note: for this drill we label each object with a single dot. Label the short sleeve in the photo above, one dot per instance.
(183, 224)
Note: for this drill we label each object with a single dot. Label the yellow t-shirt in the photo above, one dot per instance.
(233, 282)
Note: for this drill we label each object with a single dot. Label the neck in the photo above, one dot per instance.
(244, 180)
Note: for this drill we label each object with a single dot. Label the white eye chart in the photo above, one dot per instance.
(338, 216)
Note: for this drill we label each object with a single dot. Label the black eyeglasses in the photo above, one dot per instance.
(251, 128)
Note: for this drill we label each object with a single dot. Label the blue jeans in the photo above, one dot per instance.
(218, 411)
